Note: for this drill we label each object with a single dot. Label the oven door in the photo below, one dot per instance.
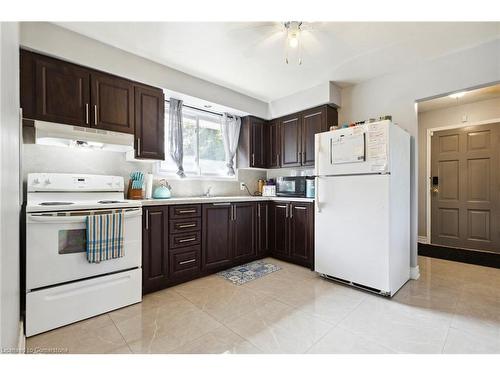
(56, 247)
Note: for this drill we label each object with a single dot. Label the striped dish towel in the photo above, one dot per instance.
(104, 237)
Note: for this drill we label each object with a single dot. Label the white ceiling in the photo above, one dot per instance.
(249, 57)
(485, 93)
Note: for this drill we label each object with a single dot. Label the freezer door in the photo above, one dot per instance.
(352, 229)
(357, 150)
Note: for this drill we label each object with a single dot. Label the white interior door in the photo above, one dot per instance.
(352, 229)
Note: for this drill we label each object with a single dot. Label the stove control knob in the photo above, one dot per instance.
(47, 182)
(36, 181)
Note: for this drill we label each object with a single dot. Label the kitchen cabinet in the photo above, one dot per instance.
(155, 269)
(298, 131)
(262, 229)
(55, 91)
(217, 236)
(291, 141)
(243, 231)
(112, 103)
(292, 229)
(149, 123)
(252, 149)
(273, 144)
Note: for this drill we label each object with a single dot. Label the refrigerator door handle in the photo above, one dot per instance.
(316, 153)
(316, 195)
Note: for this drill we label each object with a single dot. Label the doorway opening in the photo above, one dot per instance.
(459, 173)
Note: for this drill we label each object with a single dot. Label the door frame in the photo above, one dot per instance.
(427, 238)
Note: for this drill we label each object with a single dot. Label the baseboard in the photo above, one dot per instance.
(415, 273)
(481, 258)
(423, 239)
(21, 343)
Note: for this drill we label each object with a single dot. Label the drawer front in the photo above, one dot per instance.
(185, 262)
(184, 239)
(185, 225)
(182, 211)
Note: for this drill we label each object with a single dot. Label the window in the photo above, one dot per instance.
(203, 146)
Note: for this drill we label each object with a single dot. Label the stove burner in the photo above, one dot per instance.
(109, 202)
(55, 203)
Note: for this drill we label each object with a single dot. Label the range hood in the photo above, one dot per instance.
(53, 134)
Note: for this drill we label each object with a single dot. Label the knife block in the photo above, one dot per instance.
(134, 193)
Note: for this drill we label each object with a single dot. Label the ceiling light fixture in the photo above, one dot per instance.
(293, 32)
(457, 95)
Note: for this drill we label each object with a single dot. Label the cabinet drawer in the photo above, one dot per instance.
(179, 212)
(184, 262)
(184, 239)
(185, 225)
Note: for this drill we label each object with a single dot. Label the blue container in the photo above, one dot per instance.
(310, 188)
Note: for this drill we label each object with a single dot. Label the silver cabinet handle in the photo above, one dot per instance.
(187, 211)
(95, 114)
(291, 212)
(221, 204)
(187, 261)
(186, 226)
(253, 160)
(300, 208)
(277, 160)
(258, 210)
(87, 113)
(138, 146)
(187, 239)
(234, 210)
(147, 219)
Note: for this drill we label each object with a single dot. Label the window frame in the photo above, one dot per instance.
(196, 114)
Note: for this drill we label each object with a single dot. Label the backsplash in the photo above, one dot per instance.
(281, 172)
(39, 158)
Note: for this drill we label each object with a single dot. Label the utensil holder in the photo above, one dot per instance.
(134, 193)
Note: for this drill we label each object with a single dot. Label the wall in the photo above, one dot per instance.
(9, 181)
(325, 93)
(477, 111)
(396, 94)
(39, 158)
(59, 42)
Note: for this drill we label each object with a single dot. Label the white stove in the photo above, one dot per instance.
(62, 287)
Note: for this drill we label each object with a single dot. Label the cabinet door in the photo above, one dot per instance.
(313, 121)
(149, 123)
(262, 234)
(258, 145)
(154, 248)
(243, 231)
(112, 103)
(273, 144)
(216, 237)
(279, 229)
(62, 91)
(301, 233)
(290, 141)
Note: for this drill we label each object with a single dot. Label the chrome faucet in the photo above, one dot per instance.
(207, 194)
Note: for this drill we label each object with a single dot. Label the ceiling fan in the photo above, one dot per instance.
(289, 32)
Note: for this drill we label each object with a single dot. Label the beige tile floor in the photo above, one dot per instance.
(452, 308)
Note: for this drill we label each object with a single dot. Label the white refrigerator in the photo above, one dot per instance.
(362, 206)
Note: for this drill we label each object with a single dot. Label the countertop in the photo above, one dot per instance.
(218, 199)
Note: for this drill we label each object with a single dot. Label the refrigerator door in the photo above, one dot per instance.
(352, 229)
(360, 149)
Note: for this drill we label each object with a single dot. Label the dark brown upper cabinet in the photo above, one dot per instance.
(273, 144)
(252, 147)
(291, 141)
(297, 134)
(54, 91)
(149, 123)
(112, 103)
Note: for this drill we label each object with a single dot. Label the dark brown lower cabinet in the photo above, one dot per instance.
(217, 235)
(292, 232)
(243, 231)
(155, 270)
(262, 229)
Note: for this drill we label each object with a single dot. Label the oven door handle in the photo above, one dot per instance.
(43, 218)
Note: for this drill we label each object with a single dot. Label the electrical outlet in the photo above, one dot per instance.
(242, 186)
